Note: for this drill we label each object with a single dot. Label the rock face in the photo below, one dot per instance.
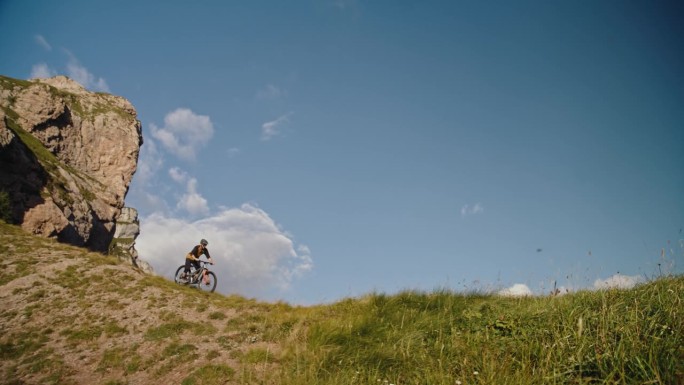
(67, 157)
(123, 244)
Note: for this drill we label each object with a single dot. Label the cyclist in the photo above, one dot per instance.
(193, 258)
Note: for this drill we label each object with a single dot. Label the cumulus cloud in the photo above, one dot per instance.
(272, 128)
(253, 254)
(151, 202)
(618, 281)
(42, 71)
(79, 73)
(471, 210)
(517, 290)
(74, 69)
(150, 161)
(192, 201)
(184, 132)
(178, 175)
(145, 189)
(43, 43)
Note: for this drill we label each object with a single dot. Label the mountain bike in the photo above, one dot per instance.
(194, 277)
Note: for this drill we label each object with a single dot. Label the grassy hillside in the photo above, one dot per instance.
(74, 317)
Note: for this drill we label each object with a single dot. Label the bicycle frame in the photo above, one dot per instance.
(198, 274)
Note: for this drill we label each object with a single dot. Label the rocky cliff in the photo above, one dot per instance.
(123, 243)
(67, 157)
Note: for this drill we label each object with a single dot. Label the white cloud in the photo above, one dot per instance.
(42, 71)
(270, 92)
(618, 281)
(192, 201)
(517, 290)
(150, 161)
(74, 70)
(152, 202)
(81, 75)
(184, 132)
(43, 43)
(178, 175)
(272, 128)
(145, 189)
(253, 255)
(471, 210)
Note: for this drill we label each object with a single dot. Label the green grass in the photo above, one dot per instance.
(21, 268)
(177, 326)
(167, 330)
(185, 352)
(217, 315)
(175, 354)
(258, 355)
(83, 333)
(631, 336)
(9, 83)
(113, 329)
(210, 375)
(114, 358)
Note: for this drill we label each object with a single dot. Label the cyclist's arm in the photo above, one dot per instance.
(206, 252)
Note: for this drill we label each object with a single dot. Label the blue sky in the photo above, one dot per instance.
(328, 149)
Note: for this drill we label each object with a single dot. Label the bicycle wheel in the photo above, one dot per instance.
(176, 278)
(211, 286)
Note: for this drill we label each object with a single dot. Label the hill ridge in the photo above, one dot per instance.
(75, 316)
(71, 316)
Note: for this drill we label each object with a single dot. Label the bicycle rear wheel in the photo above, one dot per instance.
(211, 285)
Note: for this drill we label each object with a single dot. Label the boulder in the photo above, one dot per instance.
(67, 157)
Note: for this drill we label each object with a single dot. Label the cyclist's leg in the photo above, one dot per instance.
(197, 266)
(186, 270)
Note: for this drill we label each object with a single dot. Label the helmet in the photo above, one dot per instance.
(204, 242)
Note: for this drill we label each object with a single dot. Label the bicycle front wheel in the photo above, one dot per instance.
(209, 284)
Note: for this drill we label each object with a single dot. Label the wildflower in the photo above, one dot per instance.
(476, 373)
